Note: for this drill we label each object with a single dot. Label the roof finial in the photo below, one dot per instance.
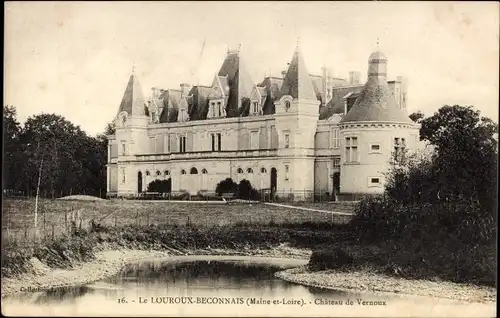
(378, 42)
(239, 48)
(133, 68)
(298, 44)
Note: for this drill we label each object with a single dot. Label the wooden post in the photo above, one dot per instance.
(52, 231)
(25, 233)
(115, 220)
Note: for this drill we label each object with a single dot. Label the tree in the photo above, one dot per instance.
(417, 117)
(11, 130)
(466, 153)
(160, 186)
(226, 186)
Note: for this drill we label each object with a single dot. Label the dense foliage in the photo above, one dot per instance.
(226, 186)
(160, 186)
(243, 190)
(47, 145)
(441, 205)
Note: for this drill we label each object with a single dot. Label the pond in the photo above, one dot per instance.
(238, 286)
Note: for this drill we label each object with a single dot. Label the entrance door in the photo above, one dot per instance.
(274, 180)
(139, 182)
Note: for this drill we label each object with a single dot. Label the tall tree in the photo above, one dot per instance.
(11, 129)
(466, 153)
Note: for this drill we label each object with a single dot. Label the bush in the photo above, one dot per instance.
(330, 259)
(160, 186)
(246, 191)
(226, 186)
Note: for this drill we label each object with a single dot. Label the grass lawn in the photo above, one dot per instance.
(55, 215)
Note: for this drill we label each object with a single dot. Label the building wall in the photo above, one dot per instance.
(356, 175)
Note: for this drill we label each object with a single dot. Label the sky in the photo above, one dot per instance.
(75, 58)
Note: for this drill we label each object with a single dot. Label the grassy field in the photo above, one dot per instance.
(54, 216)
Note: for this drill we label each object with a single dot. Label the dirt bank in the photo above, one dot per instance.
(369, 282)
(110, 262)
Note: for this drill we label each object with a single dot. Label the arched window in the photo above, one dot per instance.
(204, 171)
(194, 170)
(183, 171)
(249, 170)
(263, 170)
(240, 170)
(147, 172)
(167, 173)
(158, 173)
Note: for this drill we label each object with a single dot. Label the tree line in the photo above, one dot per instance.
(50, 151)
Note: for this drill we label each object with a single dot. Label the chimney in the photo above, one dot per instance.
(354, 77)
(185, 89)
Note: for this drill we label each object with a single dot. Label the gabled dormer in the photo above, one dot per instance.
(257, 98)
(217, 99)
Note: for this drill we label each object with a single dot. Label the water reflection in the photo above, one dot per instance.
(205, 279)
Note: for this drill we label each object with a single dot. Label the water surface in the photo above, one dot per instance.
(184, 286)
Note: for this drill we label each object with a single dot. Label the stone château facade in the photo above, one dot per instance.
(292, 134)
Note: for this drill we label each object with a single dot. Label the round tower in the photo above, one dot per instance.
(371, 133)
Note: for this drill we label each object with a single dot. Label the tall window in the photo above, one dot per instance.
(351, 149)
(254, 140)
(216, 141)
(123, 175)
(255, 107)
(152, 144)
(213, 109)
(336, 162)
(287, 140)
(335, 139)
(399, 147)
(287, 171)
(219, 109)
(123, 148)
(182, 144)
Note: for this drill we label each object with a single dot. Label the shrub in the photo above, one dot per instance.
(246, 191)
(226, 186)
(330, 259)
(160, 186)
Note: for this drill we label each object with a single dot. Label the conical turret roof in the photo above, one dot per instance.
(297, 82)
(133, 101)
(375, 102)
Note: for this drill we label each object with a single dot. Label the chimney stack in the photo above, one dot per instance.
(354, 77)
(185, 89)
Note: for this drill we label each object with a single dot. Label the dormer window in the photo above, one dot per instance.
(219, 109)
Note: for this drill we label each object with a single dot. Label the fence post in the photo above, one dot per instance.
(66, 221)
(52, 231)
(115, 219)
(25, 233)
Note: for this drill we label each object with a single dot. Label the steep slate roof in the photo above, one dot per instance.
(375, 102)
(171, 98)
(239, 81)
(273, 88)
(133, 101)
(198, 102)
(336, 104)
(297, 82)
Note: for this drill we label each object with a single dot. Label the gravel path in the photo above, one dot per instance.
(364, 281)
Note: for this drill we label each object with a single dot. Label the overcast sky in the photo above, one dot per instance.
(75, 58)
